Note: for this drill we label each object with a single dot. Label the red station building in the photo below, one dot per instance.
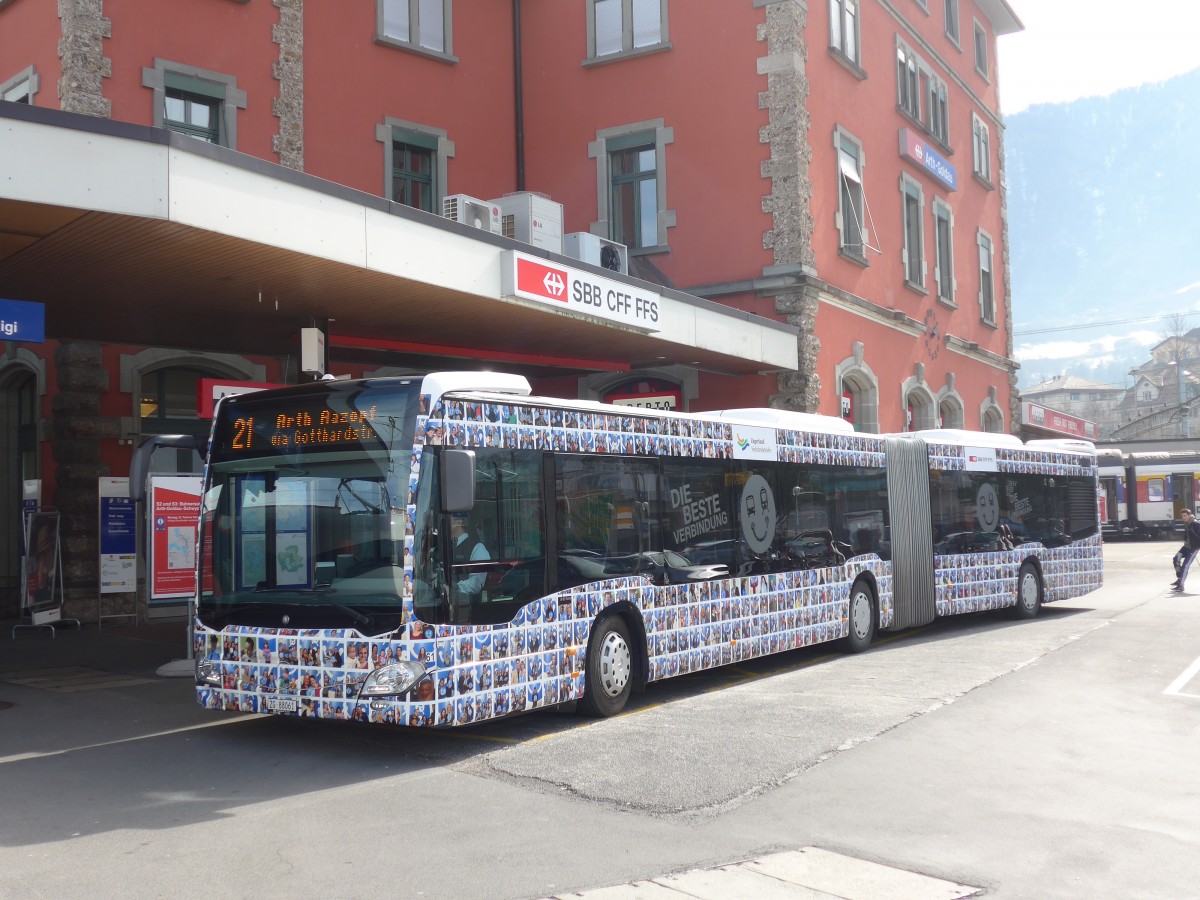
(808, 196)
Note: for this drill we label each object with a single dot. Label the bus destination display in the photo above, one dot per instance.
(277, 429)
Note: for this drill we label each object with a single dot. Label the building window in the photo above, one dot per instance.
(914, 238)
(195, 102)
(413, 175)
(21, 87)
(421, 25)
(952, 21)
(981, 50)
(631, 182)
(192, 114)
(415, 163)
(852, 233)
(919, 409)
(950, 412)
(859, 395)
(633, 166)
(993, 419)
(943, 224)
(843, 28)
(922, 94)
(987, 297)
(981, 142)
(623, 27)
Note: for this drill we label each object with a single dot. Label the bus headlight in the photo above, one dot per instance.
(394, 679)
(208, 672)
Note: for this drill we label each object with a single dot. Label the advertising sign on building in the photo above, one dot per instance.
(174, 511)
(23, 321)
(118, 537)
(210, 390)
(1046, 419)
(583, 293)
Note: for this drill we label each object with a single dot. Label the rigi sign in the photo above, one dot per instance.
(583, 293)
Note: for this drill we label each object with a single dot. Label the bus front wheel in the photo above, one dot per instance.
(609, 673)
(862, 617)
(1029, 592)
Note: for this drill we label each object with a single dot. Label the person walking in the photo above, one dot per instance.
(1191, 543)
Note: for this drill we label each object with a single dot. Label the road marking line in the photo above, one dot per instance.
(23, 757)
(1176, 686)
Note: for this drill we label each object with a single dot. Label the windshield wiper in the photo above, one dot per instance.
(322, 588)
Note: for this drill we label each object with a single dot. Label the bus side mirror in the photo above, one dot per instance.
(458, 480)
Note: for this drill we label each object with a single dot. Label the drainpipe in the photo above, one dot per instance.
(518, 90)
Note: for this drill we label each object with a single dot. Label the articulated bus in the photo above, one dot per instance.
(1164, 484)
(445, 550)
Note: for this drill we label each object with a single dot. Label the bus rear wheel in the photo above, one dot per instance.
(1029, 593)
(862, 617)
(609, 673)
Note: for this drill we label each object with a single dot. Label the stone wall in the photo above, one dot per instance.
(288, 70)
(81, 50)
(790, 202)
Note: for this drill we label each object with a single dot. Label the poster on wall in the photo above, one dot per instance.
(118, 537)
(43, 567)
(174, 512)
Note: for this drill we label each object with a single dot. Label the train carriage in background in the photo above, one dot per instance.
(1163, 484)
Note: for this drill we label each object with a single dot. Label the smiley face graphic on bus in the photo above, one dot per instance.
(758, 514)
(987, 507)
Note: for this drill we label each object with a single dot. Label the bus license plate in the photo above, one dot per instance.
(281, 704)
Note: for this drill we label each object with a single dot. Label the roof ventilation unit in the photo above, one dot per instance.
(472, 211)
(532, 218)
(591, 248)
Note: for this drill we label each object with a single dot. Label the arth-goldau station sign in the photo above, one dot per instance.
(916, 150)
(583, 293)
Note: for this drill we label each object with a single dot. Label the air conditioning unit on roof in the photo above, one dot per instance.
(591, 248)
(532, 218)
(472, 211)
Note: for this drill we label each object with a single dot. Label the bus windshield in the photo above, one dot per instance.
(304, 509)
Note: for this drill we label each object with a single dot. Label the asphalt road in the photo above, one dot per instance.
(1051, 758)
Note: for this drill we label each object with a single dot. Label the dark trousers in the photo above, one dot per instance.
(1183, 561)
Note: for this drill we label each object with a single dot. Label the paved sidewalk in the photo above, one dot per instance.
(809, 873)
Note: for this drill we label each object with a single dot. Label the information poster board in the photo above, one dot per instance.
(118, 538)
(31, 499)
(174, 513)
(43, 569)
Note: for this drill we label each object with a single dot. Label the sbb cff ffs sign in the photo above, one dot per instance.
(581, 292)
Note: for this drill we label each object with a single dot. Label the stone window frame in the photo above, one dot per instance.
(842, 137)
(990, 412)
(392, 130)
(132, 366)
(949, 395)
(854, 373)
(987, 276)
(913, 190)
(27, 76)
(981, 150)
(196, 80)
(446, 54)
(982, 64)
(662, 137)
(943, 211)
(926, 408)
(627, 51)
(954, 35)
(838, 39)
